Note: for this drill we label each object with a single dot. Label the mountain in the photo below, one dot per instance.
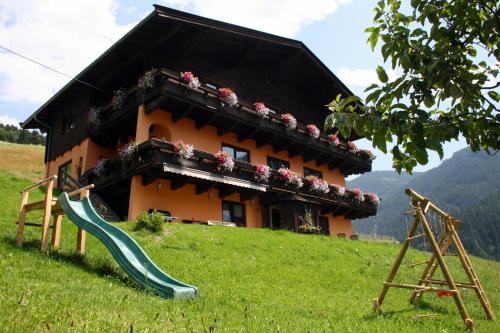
(467, 186)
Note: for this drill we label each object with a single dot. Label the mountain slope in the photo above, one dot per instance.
(465, 186)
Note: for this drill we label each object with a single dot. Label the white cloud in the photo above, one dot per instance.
(361, 77)
(8, 120)
(281, 17)
(64, 36)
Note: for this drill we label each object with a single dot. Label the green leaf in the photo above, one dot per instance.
(382, 75)
(405, 62)
(455, 91)
(379, 140)
(329, 122)
(421, 156)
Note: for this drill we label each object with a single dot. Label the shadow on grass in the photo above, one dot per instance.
(420, 306)
(91, 264)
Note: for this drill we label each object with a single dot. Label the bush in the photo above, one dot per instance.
(150, 221)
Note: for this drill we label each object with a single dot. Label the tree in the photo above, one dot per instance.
(447, 54)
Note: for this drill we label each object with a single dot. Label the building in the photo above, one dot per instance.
(134, 93)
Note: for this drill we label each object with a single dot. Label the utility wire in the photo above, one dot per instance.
(52, 69)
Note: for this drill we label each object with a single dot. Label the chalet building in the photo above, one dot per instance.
(257, 98)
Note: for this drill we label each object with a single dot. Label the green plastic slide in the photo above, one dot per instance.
(127, 253)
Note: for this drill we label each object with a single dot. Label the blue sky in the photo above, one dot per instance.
(69, 37)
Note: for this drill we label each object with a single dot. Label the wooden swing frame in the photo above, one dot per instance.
(50, 207)
(439, 247)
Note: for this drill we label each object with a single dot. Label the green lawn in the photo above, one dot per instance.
(250, 280)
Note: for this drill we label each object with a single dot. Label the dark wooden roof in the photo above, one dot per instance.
(168, 35)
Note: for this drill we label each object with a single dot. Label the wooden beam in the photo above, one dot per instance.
(311, 157)
(179, 115)
(149, 178)
(285, 146)
(250, 135)
(177, 183)
(47, 214)
(56, 231)
(247, 195)
(226, 129)
(260, 143)
(225, 192)
(202, 188)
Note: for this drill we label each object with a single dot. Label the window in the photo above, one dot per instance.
(276, 163)
(312, 172)
(233, 212)
(236, 153)
(62, 175)
(68, 122)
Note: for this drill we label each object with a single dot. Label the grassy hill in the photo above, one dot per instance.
(250, 280)
(466, 185)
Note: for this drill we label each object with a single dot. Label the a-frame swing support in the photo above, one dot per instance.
(449, 237)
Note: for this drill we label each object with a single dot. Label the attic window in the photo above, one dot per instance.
(67, 123)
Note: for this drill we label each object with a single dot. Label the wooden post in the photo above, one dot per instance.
(56, 232)
(446, 273)
(378, 301)
(47, 214)
(471, 274)
(430, 268)
(21, 219)
(80, 237)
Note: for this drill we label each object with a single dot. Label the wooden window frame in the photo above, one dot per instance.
(232, 203)
(286, 164)
(235, 148)
(313, 172)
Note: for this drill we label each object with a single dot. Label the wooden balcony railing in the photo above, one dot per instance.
(207, 108)
(154, 159)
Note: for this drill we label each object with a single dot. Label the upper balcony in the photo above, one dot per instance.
(204, 105)
(157, 159)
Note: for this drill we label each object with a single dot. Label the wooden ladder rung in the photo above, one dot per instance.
(412, 238)
(37, 205)
(31, 224)
(419, 263)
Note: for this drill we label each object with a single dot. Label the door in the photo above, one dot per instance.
(275, 217)
(324, 225)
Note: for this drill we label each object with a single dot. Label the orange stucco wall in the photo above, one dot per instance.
(184, 203)
(206, 139)
(87, 150)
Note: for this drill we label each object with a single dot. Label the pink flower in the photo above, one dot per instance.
(338, 189)
(333, 139)
(262, 173)
(229, 96)
(261, 109)
(373, 197)
(289, 121)
(357, 194)
(190, 79)
(224, 161)
(187, 76)
(185, 151)
(313, 131)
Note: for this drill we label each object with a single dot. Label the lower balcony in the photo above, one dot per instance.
(157, 159)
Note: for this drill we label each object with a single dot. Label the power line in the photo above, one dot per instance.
(52, 69)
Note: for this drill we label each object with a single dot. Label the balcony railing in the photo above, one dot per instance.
(204, 105)
(155, 159)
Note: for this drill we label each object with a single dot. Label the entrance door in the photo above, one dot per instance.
(324, 225)
(274, 214)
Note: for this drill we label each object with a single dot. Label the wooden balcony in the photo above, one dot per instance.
(206, 108)
(156, 159)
